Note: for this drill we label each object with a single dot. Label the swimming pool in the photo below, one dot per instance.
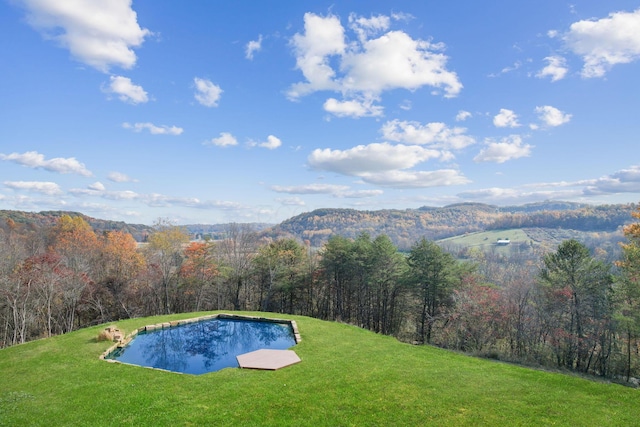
(198, 347)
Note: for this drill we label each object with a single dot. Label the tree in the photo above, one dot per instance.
(236, 251)
(118, 266)
(627, 289)
(164, 250)
(432, 276)
(577, 288)
(75, 241)
(281, 270)
(199, 271)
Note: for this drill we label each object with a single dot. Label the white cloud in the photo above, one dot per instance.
(416, 179)
(119, 177)
(556, 68)
(508, 148)
(224, 140)
(97, 186)
(126, 90)
(48, 188)
(323, 37)
(153, 129)
(359, 194)
(605, 42)
(551, 116)
(622, 181)
(340, 191)
(310, 189)
(368, 27)
(396, 61)
(462, 115)
(253, 46)
(271, 143)
(207, 93)
(506, 118)
(516, 65)
(100, 34)
(291, 201)
(364, 68)
(35, 160)
(370, 158)
(353, 108)
(435, 135)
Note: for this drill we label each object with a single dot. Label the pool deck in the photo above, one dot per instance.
(268, 359)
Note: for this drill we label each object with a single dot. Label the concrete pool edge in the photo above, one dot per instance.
(174, 323)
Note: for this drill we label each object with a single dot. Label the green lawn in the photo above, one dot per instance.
(347, 377)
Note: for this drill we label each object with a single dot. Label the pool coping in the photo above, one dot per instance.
(174, 323)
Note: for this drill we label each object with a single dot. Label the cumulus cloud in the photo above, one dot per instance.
(506, 118)
(435, 135)
(271, 143)
(556, 68)
(323, 37)
(353, 108)
(368, 27)
(623, 181)
(377, 157)
(508, 148)
(551, 116)
(97, 186)
(35, 160)
(378, 60)
(207, 93)
(416, 179)
(224, 140)
(462, 115)
(126, 91)
(252, 47)
(153, 129)
(605, 42)
(48, 188)
(100, 34)
(119, 177)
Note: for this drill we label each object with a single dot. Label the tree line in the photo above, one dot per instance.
(567, 308)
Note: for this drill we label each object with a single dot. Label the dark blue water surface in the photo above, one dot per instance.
(205, 346)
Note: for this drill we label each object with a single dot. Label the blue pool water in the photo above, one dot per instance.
(205, 346)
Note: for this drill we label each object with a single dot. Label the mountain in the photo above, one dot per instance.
(36, 220)
(404, 227)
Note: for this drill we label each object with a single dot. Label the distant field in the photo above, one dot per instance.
(348, 377)
(486, 239)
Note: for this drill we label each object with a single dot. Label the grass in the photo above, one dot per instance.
(347, 377)
(486, 239)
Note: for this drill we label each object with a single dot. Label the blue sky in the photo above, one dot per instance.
(244, 111)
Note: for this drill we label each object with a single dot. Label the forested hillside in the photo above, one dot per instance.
(404, 227)
(38, 220)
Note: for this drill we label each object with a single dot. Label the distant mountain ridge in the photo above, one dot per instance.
(403, 226)
(47, 218)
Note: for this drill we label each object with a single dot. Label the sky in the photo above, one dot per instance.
(214, 112)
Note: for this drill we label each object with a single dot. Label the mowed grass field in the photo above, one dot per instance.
(347, 377)
(488, 238)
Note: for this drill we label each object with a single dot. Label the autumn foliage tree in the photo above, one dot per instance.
(628, 291)
(198, 274)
